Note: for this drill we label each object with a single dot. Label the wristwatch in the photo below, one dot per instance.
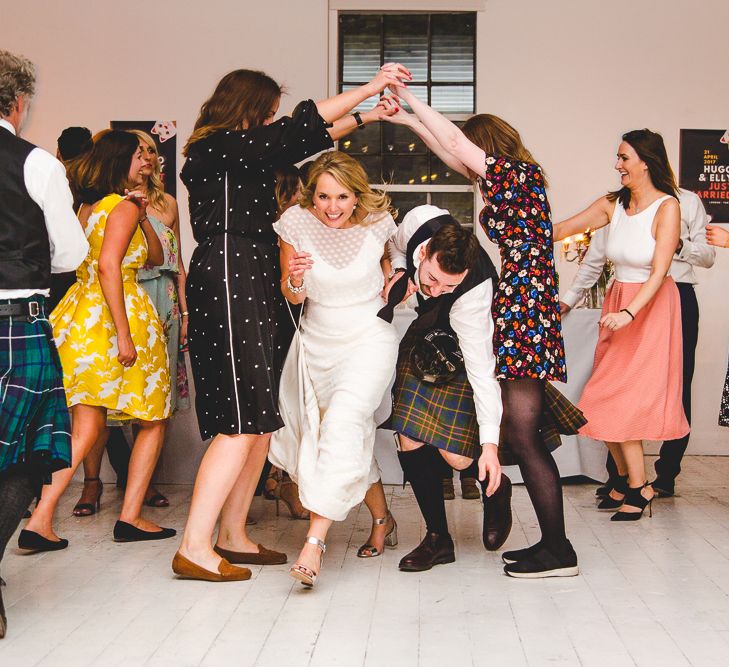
(358, 120)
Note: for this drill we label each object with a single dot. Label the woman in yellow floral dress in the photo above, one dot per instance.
(110, 338)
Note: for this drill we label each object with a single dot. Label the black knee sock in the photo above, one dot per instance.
(471, 471)
(424, 471)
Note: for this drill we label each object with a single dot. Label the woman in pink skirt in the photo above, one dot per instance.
(634, 392)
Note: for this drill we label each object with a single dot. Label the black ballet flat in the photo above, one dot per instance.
(126, 532)
(34, 543)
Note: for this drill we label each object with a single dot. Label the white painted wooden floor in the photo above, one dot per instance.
(655, 592)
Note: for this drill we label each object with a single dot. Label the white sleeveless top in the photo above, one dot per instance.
(630, 244)
(346, 269)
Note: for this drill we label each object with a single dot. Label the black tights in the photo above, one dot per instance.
(523, 403)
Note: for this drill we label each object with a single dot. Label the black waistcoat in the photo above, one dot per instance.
(434, 312)
(25, 253)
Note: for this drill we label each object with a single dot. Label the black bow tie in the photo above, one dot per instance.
(396, 295)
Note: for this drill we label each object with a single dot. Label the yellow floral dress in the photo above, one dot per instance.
(86, 337)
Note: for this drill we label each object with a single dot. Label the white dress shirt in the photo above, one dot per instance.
(471, 320)
(45, 180)
(694, 252)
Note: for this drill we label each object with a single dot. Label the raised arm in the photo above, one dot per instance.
(596, 215)
(448, 135)
(387, 106)
(402, 117)
(120, 227)
(333, 108)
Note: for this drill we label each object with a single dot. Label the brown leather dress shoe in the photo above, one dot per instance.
(435, 549)
(469, 489)
(497, 516)
(186, 569)
(263, 557)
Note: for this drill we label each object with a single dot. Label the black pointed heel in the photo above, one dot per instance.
(634, 498)
(619, 485)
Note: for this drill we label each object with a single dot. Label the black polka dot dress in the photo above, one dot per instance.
(239, 329)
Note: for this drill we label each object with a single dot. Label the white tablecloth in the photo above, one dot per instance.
(577, 455)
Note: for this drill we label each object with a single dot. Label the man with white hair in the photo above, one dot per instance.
(39, 234)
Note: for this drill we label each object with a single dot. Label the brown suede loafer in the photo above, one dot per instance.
(435, 549)
(263, 557)
(497, 516)
(186, 569)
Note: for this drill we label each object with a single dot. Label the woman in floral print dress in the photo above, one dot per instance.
(528, 338)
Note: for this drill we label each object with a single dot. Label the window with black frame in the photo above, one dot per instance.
(439, 49)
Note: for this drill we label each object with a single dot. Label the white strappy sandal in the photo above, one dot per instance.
(302, 573)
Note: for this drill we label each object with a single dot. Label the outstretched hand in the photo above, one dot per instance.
(717, 236)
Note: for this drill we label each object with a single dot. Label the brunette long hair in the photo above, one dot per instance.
(103, 170)
(650, 148)
(242, 98)
(496, 137)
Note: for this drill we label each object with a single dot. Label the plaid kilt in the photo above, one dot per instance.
(559, 415)
(35, 428)
(443, 416)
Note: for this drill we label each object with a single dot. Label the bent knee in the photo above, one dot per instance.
(408, 445)
(456, 461)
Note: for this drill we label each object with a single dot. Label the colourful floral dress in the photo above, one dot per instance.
(86, 337)
(160, 282)
(528, 332)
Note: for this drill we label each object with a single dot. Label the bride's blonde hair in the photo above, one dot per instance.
(350, 175)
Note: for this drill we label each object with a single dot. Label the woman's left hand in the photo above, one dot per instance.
(717, 236)
(615, 321)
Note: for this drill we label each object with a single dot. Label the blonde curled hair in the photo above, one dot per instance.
(350, 175)
(155, 185)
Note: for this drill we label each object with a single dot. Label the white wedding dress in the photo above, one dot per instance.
(349, 357)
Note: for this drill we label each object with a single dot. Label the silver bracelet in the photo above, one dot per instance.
(292, 289)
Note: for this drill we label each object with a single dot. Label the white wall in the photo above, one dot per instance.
(571, 75)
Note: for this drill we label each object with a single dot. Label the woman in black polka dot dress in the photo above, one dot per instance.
(238, 330)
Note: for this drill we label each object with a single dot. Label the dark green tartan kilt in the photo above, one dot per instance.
(35, 429)
(443, 416)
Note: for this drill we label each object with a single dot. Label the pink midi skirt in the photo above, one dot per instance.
(634, 392)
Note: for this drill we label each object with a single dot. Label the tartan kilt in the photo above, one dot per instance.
(35, 428)
(443, 416)
(559, 416)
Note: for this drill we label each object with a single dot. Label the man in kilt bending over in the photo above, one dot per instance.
(39, 233)
(446, 400)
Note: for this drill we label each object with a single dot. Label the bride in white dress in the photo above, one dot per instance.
(334, 258)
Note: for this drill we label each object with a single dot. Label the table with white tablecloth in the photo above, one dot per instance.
(577, 455)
